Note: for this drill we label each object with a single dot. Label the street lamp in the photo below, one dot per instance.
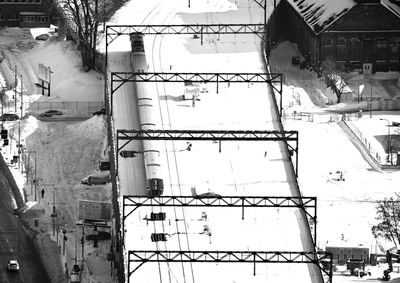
(34, 152)
(63, 224)
(53, 215)
(22, 100)
(389, 140)
(15, 89)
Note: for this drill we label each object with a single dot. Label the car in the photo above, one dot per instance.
(9, 117)
(50, 113)
(101, 235)
(96, 180)
(44, 36)
(208, 195)
(13, 265)
(100, 112)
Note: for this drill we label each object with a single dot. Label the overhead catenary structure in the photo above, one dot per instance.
(122, 78)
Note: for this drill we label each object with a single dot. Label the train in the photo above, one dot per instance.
(146, 101)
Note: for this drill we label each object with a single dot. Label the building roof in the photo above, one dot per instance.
(319, 14)
(33, 14)
(392, 5)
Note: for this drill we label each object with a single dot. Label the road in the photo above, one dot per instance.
(15, 244)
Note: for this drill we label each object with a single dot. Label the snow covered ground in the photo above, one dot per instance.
(68, 151)
(345, 207)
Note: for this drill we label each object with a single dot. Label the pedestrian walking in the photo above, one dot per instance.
(42, 192)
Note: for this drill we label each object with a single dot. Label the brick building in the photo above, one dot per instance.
(348, 32)
(24, 13)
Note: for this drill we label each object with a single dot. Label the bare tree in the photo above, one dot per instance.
(388, 215)
(85, 17)
(334, 77)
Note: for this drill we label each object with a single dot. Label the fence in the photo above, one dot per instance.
(371, 144)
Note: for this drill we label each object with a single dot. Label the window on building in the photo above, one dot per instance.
(23, 1)
(394, 49)
(355, 50)
(341, 48)
(2, 1)
(29, 19)
(38, 1)
(16, 1)
(43, 19)
(9, 1)
(12, 17)
(328, 49)
(2, 18)
(381, 50)
(30, 1)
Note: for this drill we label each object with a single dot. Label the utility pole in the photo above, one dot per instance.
(370, 109)
(28, 169)
(19, 144)
(15, 89)
(83, 234)
(22, 101)
(2, 101)
(54, 214)
(50, 72)
(54, 209)
(35, 175)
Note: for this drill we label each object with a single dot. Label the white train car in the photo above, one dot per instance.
(146, 103)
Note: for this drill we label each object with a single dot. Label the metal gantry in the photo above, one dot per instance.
(127, 136)
(113, 31)
(307, 204)
(322, 259)
(274, 79)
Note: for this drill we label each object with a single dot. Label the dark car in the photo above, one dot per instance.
(44, 36)
(50, 113)
(101, 235)
(9, 117)
(100, 112)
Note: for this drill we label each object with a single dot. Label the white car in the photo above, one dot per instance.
(13, 265)
(96, 180)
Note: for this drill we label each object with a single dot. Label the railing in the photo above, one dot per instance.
(66, 105)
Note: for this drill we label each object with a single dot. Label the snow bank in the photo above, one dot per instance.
(68, 81)
(49, 255)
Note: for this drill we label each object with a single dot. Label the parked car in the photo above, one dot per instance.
(100, 112)
(44, 36)
(208, 195)
(96, 180)
(13, 265)
(50, 113)
(9, 117)
(101, 235)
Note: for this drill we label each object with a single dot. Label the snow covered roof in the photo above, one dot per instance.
(392, 5)
(319, 14)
